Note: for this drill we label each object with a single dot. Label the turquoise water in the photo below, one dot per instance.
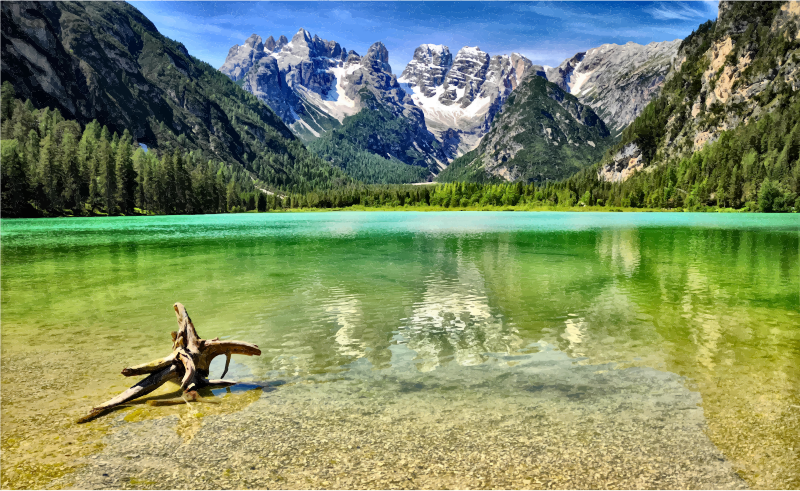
(430, 298)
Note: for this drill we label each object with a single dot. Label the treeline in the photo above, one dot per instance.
(450, 195)
(755, 167)
(365, 166)
(53, 166)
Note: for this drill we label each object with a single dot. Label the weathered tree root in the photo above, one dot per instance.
(189, 362)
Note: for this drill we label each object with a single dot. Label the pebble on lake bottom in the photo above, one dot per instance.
(351, 436)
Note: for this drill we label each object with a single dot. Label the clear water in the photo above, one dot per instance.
(438, 304)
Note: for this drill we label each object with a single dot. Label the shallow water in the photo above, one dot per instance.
(577, 349)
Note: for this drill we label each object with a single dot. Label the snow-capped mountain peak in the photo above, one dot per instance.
(616, 80)
(460, 95)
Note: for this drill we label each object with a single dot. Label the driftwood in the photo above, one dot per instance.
(189, 362)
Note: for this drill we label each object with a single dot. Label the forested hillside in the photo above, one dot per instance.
(724, 130)
(105, 61)
(543, 133)
(376, 146)
(54, 166)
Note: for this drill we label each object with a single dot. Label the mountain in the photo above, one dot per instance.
(460, 96)
(729, 72)
(314, 85)
(725, 128)
(107, 61)
(543, 133)
(616, 81)
(301, 79)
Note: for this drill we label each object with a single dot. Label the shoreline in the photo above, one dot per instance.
(423, 209)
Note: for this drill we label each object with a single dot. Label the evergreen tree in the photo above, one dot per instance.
(107, 178)
(15, 189)
(126, 177)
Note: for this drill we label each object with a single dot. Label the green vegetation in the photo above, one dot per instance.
(133, 78)
(456, 195)
(755, 167)
(752, 167)
(53, 166)
(316, 120)
(375, 146)
(542, 134)
(468, 168)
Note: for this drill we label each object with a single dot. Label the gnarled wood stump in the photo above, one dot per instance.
(189, 362)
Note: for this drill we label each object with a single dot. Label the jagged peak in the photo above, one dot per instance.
(434, 48)
(302, 35)
(470, 51)
(270, 44)
(253, 41)
(377, 58)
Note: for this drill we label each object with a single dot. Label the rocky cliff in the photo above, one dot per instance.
(314, 84)
(616, 81)
(460, 96)
(107, 61)
(543, 133)
(728, 72)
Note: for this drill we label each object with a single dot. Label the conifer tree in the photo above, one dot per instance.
(126, 177)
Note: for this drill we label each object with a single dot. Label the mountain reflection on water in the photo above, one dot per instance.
(429, 300)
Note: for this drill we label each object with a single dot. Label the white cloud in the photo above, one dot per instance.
(550, 9)
(680, 11)
(342, 14)
(195, 26)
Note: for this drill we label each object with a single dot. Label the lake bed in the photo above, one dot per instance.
(419, 350)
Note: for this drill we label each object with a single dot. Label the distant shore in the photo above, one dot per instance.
(609, 209)
(512, 208)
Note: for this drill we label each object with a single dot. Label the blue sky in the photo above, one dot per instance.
(545, 32)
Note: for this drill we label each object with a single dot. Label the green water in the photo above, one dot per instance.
(426, 300)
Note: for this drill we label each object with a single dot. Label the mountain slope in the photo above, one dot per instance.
(616, 81)
(732, 71)
(107, 61)
(314, 84)
(542, 134)
(460, 97)
(375, 146)
(725, 130)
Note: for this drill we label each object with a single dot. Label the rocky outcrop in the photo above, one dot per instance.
(460, 96)
(313, 84)
(623, 164)
(616, 81)
(107, 61)
(543, 133)
(726, 73)
(428, 68)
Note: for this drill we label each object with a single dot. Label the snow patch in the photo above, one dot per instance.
(449, 116)
(306, 126)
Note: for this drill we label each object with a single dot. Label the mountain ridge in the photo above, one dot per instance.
(107, 61)
(314, 84)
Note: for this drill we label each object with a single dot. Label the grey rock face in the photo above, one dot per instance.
(293, 77)
(460, 96)
(624, 163)
(616, 81)
(241, 58)
(427, 68)
(266, 83)
(313, 84)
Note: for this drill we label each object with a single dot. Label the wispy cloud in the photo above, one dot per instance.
(678, 11)
(196, 26)
(342, 14)
(550, 9)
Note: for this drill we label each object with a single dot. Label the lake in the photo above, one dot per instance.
(410, 350)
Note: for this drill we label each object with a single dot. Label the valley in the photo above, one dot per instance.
(668, 124)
